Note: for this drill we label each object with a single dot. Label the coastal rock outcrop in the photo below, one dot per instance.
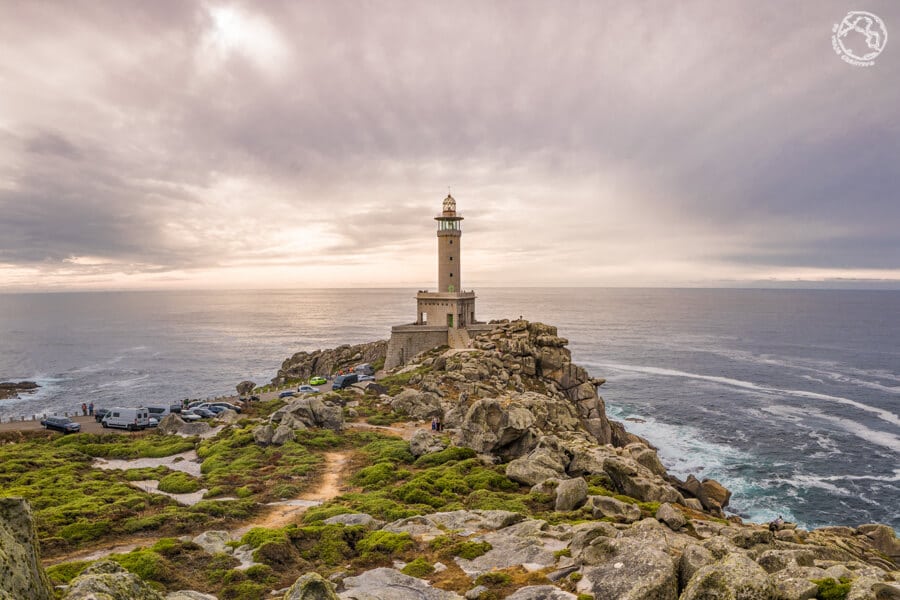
(10, 389)
(303, 365)
(21, 574)
(390, 583)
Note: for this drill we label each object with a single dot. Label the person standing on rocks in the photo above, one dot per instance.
(83, 409)
(91, 409)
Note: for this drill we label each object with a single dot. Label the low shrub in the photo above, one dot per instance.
(378, 543)
(471, 550)
(147, 565)
(446, 455)
(64, 573)
(178, 482)
(829, 589)
(418, 568)
(494, 579)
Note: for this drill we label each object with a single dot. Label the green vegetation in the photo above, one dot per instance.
(179, 483)
(494, 578)
(418, 568)
(63, 573)
(396, 383)
(113, 445)
(829, 589)
(231, 460)
(471, 550)
(383, 543)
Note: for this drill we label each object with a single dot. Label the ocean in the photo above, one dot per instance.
(790, 398)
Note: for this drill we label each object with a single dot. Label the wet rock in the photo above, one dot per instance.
(21, 574)
(571, 494)
(106, 580)
(736, 577)
(311, 586)
(379, 584)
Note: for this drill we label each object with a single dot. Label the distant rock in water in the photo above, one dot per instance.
(9, 389)
(21, 574)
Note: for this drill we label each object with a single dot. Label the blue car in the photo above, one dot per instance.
(286, 394)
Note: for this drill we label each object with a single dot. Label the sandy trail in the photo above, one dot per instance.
(280, 514)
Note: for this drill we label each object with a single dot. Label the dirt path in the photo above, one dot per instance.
(279, 514)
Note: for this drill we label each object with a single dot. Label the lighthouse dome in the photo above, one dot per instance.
(449, 205)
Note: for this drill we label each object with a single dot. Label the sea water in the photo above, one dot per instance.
(790, 398)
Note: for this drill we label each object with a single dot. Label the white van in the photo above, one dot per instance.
(127, 418)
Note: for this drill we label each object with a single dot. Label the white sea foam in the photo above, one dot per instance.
(884, 415)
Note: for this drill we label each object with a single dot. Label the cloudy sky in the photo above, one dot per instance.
(265, 144)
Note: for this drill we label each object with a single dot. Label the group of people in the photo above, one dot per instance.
(436, 424)
(87, 409)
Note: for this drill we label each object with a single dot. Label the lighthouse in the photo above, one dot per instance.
(445, 316)
(449, 235)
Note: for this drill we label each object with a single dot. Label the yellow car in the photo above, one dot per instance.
(316, 380)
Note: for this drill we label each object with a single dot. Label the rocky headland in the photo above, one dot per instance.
(530, 492)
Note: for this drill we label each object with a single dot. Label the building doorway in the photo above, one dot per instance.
(450, 320)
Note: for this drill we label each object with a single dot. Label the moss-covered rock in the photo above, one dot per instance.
(21, 574)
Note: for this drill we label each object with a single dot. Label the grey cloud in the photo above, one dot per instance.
(714, 118)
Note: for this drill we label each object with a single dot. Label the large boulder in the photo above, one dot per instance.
(21, 574)
(245, 387)
(172, 424)
(693, 558)
(106, 580)
(883, 539)
(489, 427)
(416, 404)
(736, 577)
(310, 411)
(189, 595)
(713, 494)
(303, 365)
(637, 481)
(426, 442)
(282, 435)
(214, 542)
(671, 516)
(571, 494)
(262, 434)
(382, 583)
(547, 460)
(629, 570)
(311, 586)
(616, 510)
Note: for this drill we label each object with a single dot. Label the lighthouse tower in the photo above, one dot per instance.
(446, 316)
(449, 237)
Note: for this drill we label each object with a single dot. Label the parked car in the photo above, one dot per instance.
(63, 424)
(367, 378)
(307, 389)
(286, 394)
(204, 413)
(227, 405)
(317, 380)
(99, 413)
(158, 412)
(127, 418)
(188, 415)
(344, 381)
(364, 369)
(152, 422)
(175, 408)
